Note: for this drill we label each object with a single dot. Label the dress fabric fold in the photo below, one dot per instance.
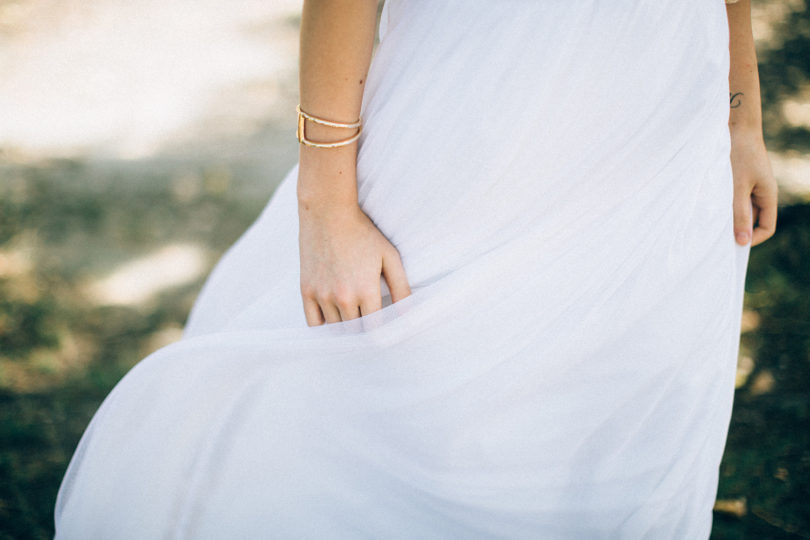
(556, 177)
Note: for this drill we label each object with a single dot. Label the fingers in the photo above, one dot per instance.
(743, 219)
(765, 209)
(312, 311)
(348, 308)
(319, 307)
(394, 273)
(324, 305)
(327, 308)
(330, 311)
(372, 301)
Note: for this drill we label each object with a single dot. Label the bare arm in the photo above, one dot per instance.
(755, 188)
(343, 254)
(337, 39)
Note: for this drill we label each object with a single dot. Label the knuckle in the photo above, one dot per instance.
(369, 292)
(323, 294)
(742, 205)
(742, 218)
(389, 250)
(344, 306)
(342, 289)
(344, 298)
(308, 290)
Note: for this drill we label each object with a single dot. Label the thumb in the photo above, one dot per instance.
(394, 273)
(743, 217)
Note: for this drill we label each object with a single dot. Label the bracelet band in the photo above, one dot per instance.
(301, 136)
(303, 140)
(326, 122)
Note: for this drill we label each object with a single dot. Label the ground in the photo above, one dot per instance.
(138, 139)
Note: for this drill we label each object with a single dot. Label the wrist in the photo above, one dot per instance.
(746, 133)
(326, 176)
(325, 201)
(326, 190)
(745, 125)
(325, 213)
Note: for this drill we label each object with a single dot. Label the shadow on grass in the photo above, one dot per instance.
(64, 224)
(62, 353)
(767, 458)
(63, 227)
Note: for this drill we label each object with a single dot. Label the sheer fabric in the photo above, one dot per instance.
(556, 177)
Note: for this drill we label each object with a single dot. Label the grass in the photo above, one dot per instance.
(66, 224)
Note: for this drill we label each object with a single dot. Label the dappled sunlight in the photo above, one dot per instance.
(750, 321)
(15, 263)
(45, 368)
(735, 507)
(745, 365)
(792, 168)
(123, 79)
(140, 280)
(163, 337)
(766, 15)
(762, 383)
(796, 113)
(140, 138)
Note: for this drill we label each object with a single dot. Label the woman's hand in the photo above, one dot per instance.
(343, 254)
(754, 188)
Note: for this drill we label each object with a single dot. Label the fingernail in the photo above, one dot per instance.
(742, 237)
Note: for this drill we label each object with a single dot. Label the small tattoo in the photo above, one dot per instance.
(737, 103)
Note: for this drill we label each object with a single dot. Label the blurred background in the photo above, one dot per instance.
(140, 138)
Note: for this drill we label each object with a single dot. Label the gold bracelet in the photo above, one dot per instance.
(328, 122)
(300, 135)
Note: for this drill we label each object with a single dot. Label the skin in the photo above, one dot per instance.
(751, 167)
(343, 254)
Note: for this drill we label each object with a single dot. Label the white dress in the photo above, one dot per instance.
(556, 177)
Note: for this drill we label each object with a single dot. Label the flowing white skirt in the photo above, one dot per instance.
(556, 177)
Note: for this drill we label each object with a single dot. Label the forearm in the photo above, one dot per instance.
(337, 39)
(745, 115)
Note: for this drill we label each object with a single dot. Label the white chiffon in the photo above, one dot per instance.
(555, 175)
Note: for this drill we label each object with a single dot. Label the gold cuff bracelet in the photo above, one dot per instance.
(300, 135)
